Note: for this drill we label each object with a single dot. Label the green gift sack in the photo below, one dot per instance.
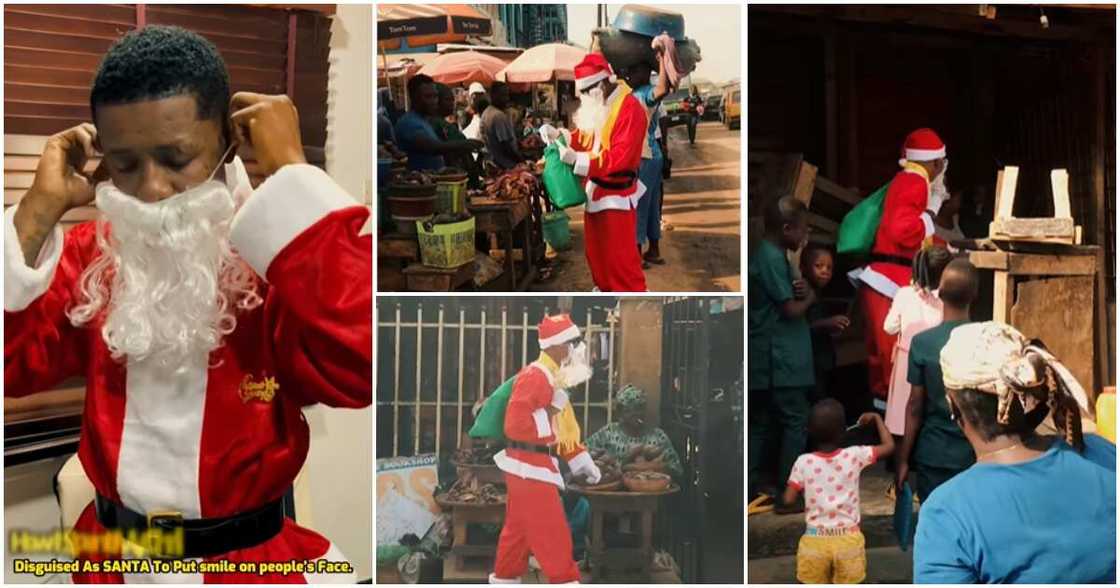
(491, 420)
(857, 230)
(564, 188)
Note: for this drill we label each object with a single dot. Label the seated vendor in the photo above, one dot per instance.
(631, 430)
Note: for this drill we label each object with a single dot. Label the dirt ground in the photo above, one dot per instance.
(702, 203)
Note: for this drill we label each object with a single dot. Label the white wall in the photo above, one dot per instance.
(339, 468)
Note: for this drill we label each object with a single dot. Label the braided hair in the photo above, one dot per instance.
(927, 267)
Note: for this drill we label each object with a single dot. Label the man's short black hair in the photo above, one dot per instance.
(786, 210)
(157, 62)
(826, 422)
(414, 85)
(959, 283)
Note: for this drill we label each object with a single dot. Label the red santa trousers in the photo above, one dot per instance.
(535, 524)
(611, 252)
(880, 345)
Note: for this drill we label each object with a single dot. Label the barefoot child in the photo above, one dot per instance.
(832, 549)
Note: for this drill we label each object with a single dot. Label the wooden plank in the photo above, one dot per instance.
(837, 191)
(1005, 191)
(803, 185)
(1054, 310)
(1059, 184)
(827, 225)
(1002, 297)
(1027, 228)
(1025, 264)
(398, 248)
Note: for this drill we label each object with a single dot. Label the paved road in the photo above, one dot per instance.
(702, 202)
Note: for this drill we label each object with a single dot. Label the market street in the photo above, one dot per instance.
(702, 203)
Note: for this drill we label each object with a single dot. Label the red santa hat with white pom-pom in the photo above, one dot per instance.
(592, 70)
(556, 330)
(922, 145)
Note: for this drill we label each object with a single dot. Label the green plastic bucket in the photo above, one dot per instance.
(556, 231)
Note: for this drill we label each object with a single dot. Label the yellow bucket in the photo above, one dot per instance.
(451, 193)
(1106, 414)
(446, 246)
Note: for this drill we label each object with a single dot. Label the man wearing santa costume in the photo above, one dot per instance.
(541, 427)
(204, 315)
(606, 148)
(911, 203)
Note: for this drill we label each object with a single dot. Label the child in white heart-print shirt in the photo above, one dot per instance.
(832, 549)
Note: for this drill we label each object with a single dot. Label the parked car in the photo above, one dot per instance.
(678, 110)
(730, 112)
(713, 107)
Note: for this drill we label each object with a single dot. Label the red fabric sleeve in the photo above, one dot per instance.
(907, 198)
(627, 138)
(532, 388)
(41, 347)
(324, 332)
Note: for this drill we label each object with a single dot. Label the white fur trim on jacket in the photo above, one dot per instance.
(540, 419)
(560, 338)
(496, 580)
(285, 205)
(582, 166)
(559, 398)
(528, 471)
(613, 202)
(22, 284)
(927, 220)
(580, 462)
(878, 282)
(585, 83)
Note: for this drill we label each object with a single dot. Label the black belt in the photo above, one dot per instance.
(895, 259)
(626, 177)
(201, 537)
(545, 449)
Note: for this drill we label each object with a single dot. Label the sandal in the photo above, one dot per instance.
(655, 260)
(759, 506)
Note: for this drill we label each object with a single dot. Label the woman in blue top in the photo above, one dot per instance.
(1033, 509)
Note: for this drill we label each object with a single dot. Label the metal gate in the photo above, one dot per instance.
(701, 412)
(438, 357)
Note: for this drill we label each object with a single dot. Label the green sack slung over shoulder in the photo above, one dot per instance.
(857, 231)
(491, 420)
(564, 188)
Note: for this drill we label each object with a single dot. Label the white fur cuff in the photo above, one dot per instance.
(559, 398)
(285, 205)
(582, 165)
(927, 220)
(581, 462)
(23, 284)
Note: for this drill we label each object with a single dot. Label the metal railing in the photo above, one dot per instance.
(435, 386)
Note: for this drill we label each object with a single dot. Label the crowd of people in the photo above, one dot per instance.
(613, 142)
(985, 424)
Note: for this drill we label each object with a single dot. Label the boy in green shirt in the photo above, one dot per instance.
(779, 348)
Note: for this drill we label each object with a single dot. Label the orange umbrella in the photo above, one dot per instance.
(543, 63)
(464, 67)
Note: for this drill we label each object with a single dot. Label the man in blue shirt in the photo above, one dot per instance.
(414, 132)
(1033, 509)
(649, 95)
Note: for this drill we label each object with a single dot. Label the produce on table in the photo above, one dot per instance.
(516, 184)
(446, 218)
(609, 468)
(467, 489)
(646, 481)
(648, 458)
(414, 178)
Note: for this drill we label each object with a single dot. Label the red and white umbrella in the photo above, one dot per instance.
(543, 63)
(464, 67)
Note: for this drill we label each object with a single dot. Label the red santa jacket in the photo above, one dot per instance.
(609, 159)
(527, 420)
(229, 436)
(905, 224)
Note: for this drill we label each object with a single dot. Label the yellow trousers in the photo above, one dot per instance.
(837, 559)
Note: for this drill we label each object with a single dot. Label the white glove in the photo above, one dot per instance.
(549, 133)
(591, 474)
(567, 154)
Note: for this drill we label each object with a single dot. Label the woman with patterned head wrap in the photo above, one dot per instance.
(631, 430)
(1034, 508)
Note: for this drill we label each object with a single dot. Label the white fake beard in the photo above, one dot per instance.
(166, 280)
(593, 111)
(575, 370)
(938, 193)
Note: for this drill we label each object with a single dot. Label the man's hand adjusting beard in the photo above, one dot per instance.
(270, 125)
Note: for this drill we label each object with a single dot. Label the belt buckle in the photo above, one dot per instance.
(165, 519)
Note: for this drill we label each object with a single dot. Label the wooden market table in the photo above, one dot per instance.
(506, 219)
(469, 562)
(603, 557)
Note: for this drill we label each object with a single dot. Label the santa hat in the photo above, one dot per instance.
(556, 330)
(923, 145)
(592, 70)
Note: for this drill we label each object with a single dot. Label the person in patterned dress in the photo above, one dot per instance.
(631, 430)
